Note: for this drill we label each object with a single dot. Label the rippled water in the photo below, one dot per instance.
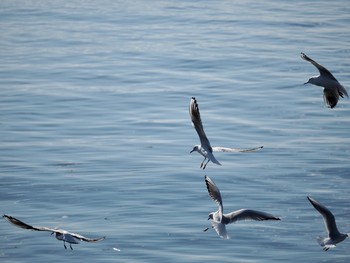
(96, 134)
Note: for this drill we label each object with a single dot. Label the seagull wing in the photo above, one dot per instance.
(214, 193)
(18, 222)
(197, 123)
(331, 97)
(86, 239)
(21, 224)
(323, 71)
(226, 149)
(247, 214)
(328, 218)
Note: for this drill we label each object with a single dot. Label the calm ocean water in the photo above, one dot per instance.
(95, 131)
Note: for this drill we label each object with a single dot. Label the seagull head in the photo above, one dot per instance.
(195, 149)
(311, 81)
(54, 233)
(211, 216)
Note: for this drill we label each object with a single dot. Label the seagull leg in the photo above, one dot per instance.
(203, 162)
(70, 246)
(64, 244)
(206, 164)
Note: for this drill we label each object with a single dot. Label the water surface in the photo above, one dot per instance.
(96, 133)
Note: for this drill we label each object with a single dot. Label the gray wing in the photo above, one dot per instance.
(86, 239)
(247, 214)
(328, 217)
(214, 193)
(331, 97)
(323, 71)
(23, 225)
(226, 149)
(197, 123)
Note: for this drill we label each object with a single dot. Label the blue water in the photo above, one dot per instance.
(95, 132)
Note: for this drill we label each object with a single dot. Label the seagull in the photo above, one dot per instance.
(332, 89)
(334, 236)
(205, 148)
(60, 234)
(220, 220)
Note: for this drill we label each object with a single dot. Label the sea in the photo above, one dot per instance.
(96, 134)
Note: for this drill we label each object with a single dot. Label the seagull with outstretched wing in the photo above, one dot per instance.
(220, 220)
(332, 89)
(205, 149)
(334, 236)
(60, 234)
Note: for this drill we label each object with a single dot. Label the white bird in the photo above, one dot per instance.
(332, 89)
(60, 234)
(334, 236)
(205, 148)
(220, 220)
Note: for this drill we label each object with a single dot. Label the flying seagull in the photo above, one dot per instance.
(220, 220)
(205, 148)
(60, 234)
(332, 89)
(334, 236)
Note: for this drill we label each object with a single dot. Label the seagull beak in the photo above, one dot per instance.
(192, 151)
(208, 218)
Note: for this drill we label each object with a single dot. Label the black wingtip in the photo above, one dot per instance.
(312, 201)
(304, 56)
(207, 182)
